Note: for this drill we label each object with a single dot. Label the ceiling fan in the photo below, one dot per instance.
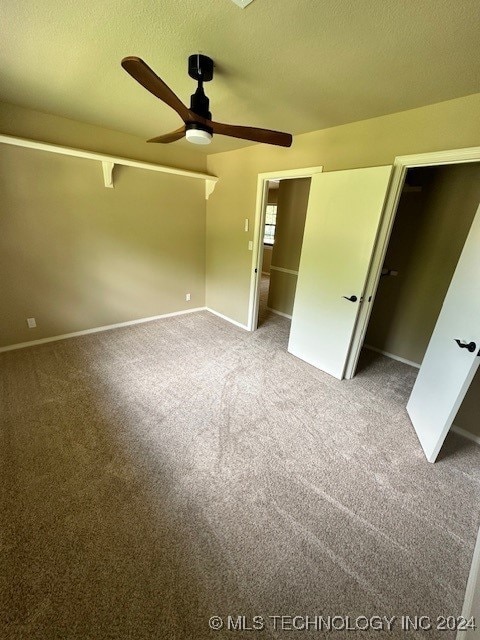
(198, 124)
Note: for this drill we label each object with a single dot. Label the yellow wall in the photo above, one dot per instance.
(267, 258)
(468, 416)
(76, 255)
(291, 213)
(272, 196)
(281, 292)
(447, 125)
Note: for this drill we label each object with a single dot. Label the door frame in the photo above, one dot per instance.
(259, 223)
(401, 165)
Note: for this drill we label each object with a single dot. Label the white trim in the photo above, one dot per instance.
(279, 313)
(84, 332)
(294, 273)
(257, 252)
(392, 356)
(473, 585)
(448, 156)
(220, 315)
(107, 160)
(210, 186)
(290, 174)
(242, 3)
(108, 173)
(465, 434)
(265, 273)
(400, 167)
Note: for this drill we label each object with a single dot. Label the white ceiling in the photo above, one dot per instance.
(292, 65)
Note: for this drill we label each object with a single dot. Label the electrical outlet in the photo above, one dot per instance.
(187, 297)
(32, 323)
(250, 245)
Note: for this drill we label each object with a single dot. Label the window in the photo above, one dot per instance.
(270, 224)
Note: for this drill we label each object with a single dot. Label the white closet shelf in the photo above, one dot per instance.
(109, 162)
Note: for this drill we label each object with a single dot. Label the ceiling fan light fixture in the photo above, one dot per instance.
(198, 136)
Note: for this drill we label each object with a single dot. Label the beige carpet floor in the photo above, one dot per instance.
(157, 475)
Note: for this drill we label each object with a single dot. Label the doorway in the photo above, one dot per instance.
(275, 259)
(434, 216)
(285, 213)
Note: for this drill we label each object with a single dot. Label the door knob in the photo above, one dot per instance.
(470, 346)
(351, 298)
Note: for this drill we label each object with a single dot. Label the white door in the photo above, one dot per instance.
(343, 217)
(449, 366)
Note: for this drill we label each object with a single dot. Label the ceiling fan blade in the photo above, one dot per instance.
(252, 133)
(141, 72)
(170, 137)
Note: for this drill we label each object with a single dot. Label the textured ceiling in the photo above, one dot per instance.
(295, 65)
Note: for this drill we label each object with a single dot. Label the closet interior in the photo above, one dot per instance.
(434, 215)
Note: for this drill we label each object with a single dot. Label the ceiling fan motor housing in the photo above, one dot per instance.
(199, 103)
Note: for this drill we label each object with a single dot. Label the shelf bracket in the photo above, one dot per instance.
(209, 188)
(108, 173)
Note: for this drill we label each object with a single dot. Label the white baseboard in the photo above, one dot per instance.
(471, 603)
(220, 315)
(279, 313)
(84, 332)
(392, 356)
(465, 434)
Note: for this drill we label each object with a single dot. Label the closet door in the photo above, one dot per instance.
(452, 357)
(343, 217)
